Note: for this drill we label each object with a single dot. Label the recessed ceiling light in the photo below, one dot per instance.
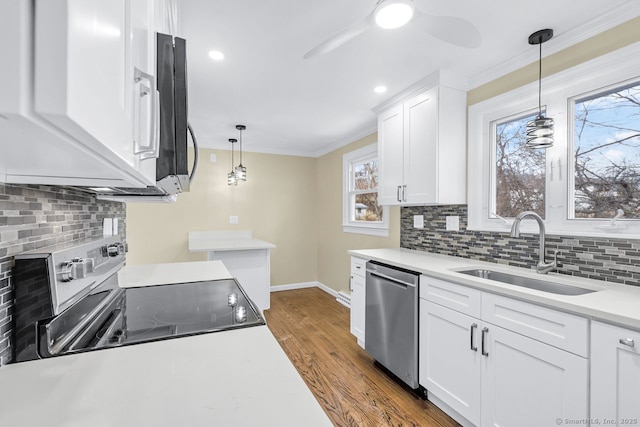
(380, 89)
(216, 55)
(394, 13)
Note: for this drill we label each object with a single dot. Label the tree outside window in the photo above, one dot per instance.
(519, 170)
(606, 146)
(361, 212)
(364, 191)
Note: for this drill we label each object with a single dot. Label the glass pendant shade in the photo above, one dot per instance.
(231, 176)
(540, 129)
(540, 132)
(241, 172)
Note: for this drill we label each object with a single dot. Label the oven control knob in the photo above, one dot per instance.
(66, 271)
(113, 250)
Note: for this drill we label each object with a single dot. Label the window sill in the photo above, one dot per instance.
(363, 229)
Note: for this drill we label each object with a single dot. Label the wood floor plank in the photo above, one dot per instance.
(313, 329)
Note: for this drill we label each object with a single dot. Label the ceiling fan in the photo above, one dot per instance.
(391, 14)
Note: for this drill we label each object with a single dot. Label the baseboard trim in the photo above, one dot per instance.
(278, 288)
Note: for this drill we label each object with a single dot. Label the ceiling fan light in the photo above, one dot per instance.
(394, 13)
(540, 132)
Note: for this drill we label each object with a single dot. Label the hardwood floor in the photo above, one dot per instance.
(313, 329)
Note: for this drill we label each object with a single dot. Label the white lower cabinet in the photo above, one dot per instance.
(615, 375)
(529, 383)
(357, 288)
(449, 364)
(493, 376)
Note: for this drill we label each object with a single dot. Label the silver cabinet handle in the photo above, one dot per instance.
(350, 285)
(484, 332)
(151, 148)
(627, 341)
(398, 194)
(404, 193)
(473, 328)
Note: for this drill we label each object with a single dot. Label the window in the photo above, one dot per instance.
(519, 171)
(361, 211)
(606, 147)
(589, 176)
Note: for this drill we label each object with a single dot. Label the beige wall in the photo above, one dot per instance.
(302, 216)
(608, 41)
(278, 202)
(333, 243)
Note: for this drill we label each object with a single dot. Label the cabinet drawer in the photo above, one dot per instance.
(358, 266)
(460, 298)
(561, 330)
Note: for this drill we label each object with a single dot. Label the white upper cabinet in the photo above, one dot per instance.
(75, 94)
(422, 148)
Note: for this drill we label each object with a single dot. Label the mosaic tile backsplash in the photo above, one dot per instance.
(34, 216)
(612, 260)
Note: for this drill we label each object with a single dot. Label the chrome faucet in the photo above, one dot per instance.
(542, 267)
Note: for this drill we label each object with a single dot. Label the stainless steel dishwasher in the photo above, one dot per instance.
(391, 320)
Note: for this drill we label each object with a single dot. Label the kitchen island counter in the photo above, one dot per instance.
(247, 258)
(232, 378)
(133, 276)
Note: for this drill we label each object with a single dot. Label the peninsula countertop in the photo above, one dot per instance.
(231, 378)
(212, 241)
(177, 272)
(614, 303)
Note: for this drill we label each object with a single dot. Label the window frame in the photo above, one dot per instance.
(380, 229)
(616, 69)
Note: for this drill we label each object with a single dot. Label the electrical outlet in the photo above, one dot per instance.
(418, 221)
(453, 223)
(213, 158)
(233, 219)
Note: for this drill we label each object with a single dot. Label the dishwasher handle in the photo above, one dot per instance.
(391, 279)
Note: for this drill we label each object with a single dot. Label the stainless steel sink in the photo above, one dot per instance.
(527, 282)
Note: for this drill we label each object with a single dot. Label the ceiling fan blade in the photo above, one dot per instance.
(341, 38)
(450, 29)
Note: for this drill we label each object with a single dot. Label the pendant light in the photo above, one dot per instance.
(231, 176)
(241, 171)
(540, 130)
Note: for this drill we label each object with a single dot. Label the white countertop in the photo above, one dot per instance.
(132, 276)
(613, 303)
(232, 378)
(211, 241)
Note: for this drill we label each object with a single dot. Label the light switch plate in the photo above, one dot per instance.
(233, 219)
(453, 223)
(418, 221)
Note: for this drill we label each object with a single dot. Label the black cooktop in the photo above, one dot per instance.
(166, 311)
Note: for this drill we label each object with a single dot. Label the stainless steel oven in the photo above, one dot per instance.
(391, 320)
(67, 300)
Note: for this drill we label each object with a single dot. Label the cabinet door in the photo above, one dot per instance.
(391, 156)
(358, 307)
(615, 374)
(421, 148)
(528, 383)
(84, 75)
(449, 366)
(146, 99)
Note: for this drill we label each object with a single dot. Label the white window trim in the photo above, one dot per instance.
(557, 91)
(349, 226)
